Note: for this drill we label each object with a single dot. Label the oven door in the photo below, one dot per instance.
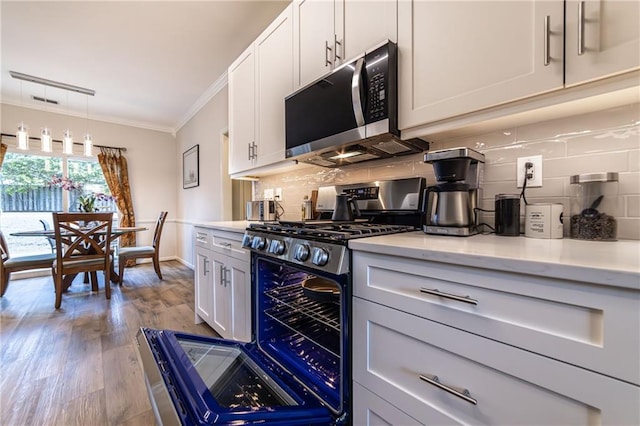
(302, 323)
(195, 379)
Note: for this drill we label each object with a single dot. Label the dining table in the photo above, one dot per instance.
(116, 233)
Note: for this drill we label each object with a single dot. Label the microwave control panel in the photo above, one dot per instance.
(378, 65)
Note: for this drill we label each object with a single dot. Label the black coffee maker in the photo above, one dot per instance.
(451, 203)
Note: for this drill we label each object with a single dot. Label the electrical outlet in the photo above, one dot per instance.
(278, 194)
(268, 194)
(535, 172)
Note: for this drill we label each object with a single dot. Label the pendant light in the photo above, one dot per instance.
(88, 140)
(22, 134)
(46, 144)
(67, 138)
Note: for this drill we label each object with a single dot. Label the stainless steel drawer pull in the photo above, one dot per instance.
(336, 43)
(581, 28)
(547, 34)
(459, 392)
(205, 262)
(228, 245)
(436, 292)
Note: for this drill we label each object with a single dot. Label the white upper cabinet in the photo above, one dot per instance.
(602, 39)
(457, 57)
(259, 80)
(274, 73)
(314, 39)
(328, 32)
(366, 23)
(242, 140)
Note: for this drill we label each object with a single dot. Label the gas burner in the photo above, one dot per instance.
(329, 230)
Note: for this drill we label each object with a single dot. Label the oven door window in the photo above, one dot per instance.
(233, 378)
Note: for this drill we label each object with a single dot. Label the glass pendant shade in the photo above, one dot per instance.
(67, 142)
(45, 140)
(88, 145)
(23, 137)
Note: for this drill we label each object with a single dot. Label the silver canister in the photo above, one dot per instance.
(307, 209)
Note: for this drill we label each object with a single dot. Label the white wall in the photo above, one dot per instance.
(205, 202)
(150, 154)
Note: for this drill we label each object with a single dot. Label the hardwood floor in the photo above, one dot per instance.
(79, 365)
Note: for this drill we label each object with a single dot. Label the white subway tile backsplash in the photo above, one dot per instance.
(603, 162)
(604, 141)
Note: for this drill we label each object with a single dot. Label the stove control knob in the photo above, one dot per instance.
(258, 243)
(301, 252)
(277, 247)
(246, 240)
(320, 256)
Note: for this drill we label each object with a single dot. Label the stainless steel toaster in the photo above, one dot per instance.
(264, 210)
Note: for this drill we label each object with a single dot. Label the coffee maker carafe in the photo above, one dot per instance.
(451, 203)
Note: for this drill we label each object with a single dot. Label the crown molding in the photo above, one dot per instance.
(211, 91)
(94, 117)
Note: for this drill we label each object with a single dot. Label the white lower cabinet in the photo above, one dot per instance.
(371, 410)
(442, 375)
(451, 344)
(223, 283)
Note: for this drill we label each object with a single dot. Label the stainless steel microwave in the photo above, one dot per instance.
(350, 115)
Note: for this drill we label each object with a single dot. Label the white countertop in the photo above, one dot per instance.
(611, 263)
(233, 226)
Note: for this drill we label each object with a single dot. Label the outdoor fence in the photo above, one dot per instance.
(44, 199)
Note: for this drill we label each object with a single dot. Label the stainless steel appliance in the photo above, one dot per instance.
(452, 202)
(349, 115)
(297, 370)
(263, 210)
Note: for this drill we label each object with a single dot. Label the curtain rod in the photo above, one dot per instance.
(59, 141)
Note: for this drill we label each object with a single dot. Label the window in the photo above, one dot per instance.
(31, 188)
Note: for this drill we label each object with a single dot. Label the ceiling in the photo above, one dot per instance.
(152, 64)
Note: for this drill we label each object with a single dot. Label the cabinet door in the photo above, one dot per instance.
(314, 39)
(203, 284)
(242, 112)
(457, 57)
(364, 24)
(239, 273)
(602, 39)
(274, 59)
(221, 287)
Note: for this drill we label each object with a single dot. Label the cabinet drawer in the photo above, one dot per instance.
(371, 410)
(596, 327)
(229, 243)
(203, 238)
(477, 380)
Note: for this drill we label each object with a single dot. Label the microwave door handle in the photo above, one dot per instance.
(356, 83)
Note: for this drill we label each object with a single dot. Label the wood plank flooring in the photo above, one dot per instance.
(79, 365)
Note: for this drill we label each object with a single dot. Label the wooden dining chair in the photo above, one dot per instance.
(152, 251)
(83, 243)
(10, 264)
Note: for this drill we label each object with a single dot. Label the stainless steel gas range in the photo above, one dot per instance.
(297, 370)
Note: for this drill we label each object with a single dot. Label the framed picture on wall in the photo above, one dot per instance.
(190, 169)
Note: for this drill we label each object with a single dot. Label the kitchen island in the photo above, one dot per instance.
(490, 329)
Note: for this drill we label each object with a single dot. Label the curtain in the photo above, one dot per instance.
(3, 149)
(116, 173)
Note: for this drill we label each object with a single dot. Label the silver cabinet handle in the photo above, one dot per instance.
(547, 34)
(249, 153)
(205, 261)
(436, 292)
(221, 274)
(355, 92)
(254, 147)
(459, 392)
(227, 245)
(327, 49)
(336, 43)
(581, 28)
